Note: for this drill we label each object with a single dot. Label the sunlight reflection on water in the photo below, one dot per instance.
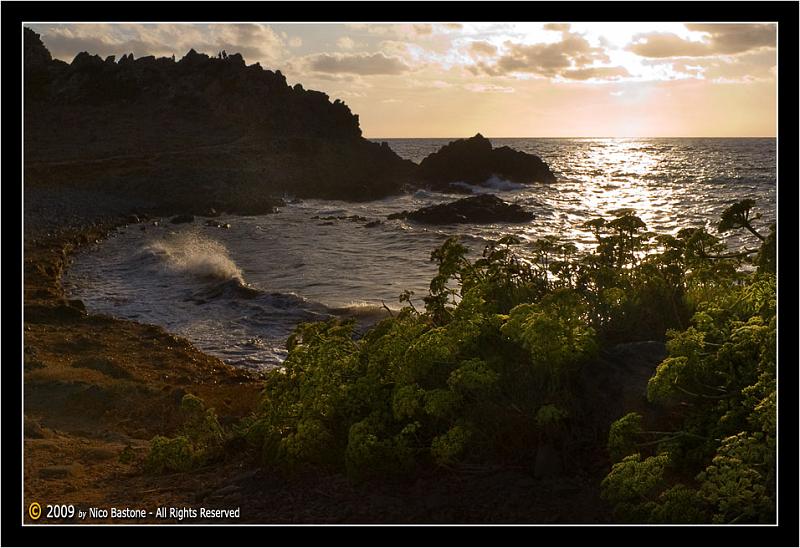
(307, 267)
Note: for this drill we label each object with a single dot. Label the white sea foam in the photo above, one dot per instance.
(492, 184)
(191, 253)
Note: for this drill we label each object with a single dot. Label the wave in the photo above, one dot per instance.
(492, 184)
(426, 194)
(365, 314)
(190, 253)
(364, 310)
(229, 289)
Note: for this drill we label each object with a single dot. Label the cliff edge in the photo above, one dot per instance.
(194, 133)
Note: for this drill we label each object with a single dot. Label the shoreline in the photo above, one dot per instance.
(98, 388)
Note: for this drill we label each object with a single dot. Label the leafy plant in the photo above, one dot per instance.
(200, 440)
(489, 371)
(717, 456)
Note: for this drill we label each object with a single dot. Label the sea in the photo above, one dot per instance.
(239, 292)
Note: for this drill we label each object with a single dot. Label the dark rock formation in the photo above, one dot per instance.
(485, 208)
(474, 161)
(193, 134)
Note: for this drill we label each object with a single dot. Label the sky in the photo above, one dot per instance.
(499, 79)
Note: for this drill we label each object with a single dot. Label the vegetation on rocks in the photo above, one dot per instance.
(200, 440)
(487, 371)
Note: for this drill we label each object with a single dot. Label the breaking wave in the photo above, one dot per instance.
(193, 254)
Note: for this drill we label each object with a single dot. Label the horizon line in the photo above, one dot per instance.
(592, 137)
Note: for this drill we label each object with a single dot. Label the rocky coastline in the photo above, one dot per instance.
(97, 389)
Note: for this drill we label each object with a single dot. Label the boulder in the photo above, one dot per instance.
(485, 208)
(474, 161)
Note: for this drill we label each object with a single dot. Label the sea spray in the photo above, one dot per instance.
(192, 253)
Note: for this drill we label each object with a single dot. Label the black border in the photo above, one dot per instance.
(786, 534)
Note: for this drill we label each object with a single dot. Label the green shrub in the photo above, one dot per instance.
(170, 455)
(490, 369)
(200, 440)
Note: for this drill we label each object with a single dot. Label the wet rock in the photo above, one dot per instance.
(474, 161)
(132, 219)
(77, 304)
(485, 208)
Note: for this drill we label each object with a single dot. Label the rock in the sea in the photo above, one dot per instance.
(474, 161)
(177, 219)
(485, 208)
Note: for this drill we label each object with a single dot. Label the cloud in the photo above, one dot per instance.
(719, 39)
(345, 42)
(406, 31)
(753, 66)
(488, 88)
(423, 29)
(255, 42)
(561, 27)
(666, 44)
(365, 64)
(571, 53)
(295, 41)
(482, 49)
(596, 73)
(736, 38)
(427, 85)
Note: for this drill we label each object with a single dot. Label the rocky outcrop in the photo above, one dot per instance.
(474, 161)
(195, 133)
(485, 208)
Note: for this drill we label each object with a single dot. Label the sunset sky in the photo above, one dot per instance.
(500, 79)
